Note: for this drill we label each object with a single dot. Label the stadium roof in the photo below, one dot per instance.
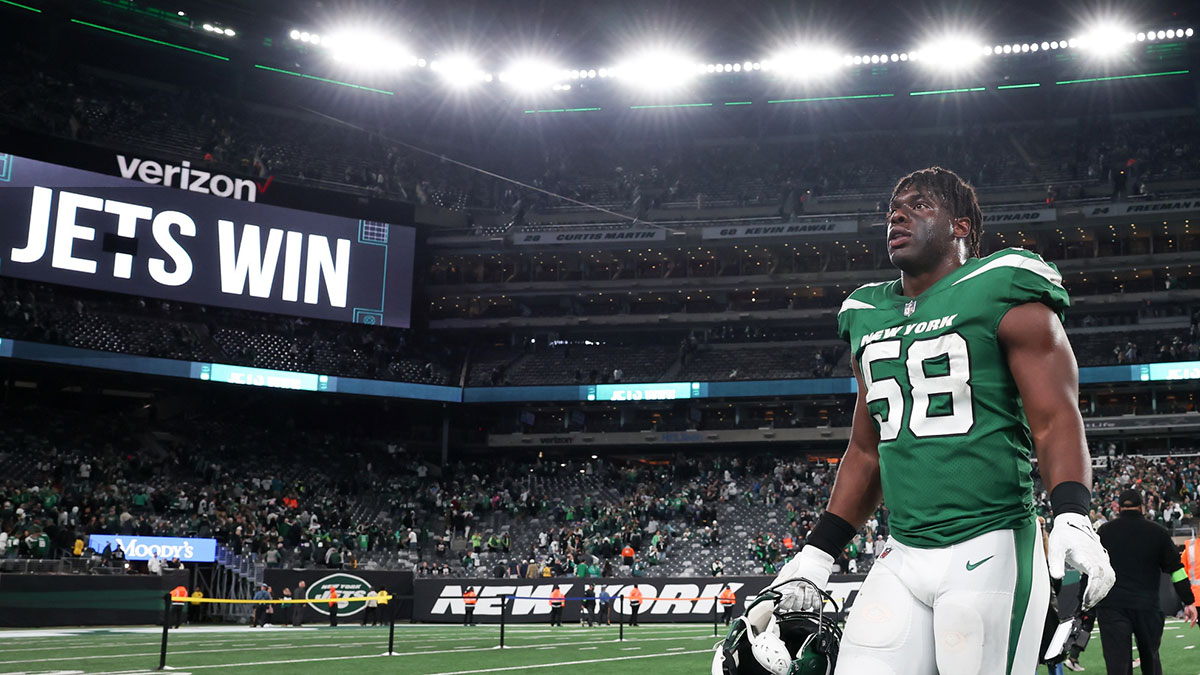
(722, 28)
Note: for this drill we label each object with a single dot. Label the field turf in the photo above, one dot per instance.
(664, 649)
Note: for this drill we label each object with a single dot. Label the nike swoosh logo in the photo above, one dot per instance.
(971, 565)
(1086, 530)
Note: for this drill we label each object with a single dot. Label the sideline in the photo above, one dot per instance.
(570, 663)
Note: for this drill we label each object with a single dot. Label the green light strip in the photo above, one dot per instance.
(1123, 77)
(558, 110)
(1018, 86)
(946, 91)
(325, 79)
(17, 4)
(146, 39)
(831, 98)
(738, 102)
(671, 105)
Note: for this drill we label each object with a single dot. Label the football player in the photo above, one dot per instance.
(963, 369)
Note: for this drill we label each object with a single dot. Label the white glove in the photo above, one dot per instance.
(813, 564)
(1073, 542)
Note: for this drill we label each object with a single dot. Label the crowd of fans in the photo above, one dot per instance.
(137, 325)
(254, 490)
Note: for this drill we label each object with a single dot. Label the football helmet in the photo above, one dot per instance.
(768, 640)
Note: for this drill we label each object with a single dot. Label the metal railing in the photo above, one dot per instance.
(235, 577)
(59, 566)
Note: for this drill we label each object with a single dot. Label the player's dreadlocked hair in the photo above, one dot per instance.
(955, 194)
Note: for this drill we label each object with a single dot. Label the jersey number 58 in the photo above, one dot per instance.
(954, 383)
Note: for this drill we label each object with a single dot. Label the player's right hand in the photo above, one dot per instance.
(813, 564)
(1073, 542)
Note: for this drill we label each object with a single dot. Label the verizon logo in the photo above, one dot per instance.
(187, 177)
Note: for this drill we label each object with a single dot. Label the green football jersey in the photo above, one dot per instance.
(954, 444)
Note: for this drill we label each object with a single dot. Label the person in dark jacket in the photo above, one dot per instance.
(298, 608)
(589, 604)
(606, 601)
(1140, 551)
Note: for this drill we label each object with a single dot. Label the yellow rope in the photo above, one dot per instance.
(383, 600)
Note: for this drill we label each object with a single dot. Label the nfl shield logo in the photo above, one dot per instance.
(910, 308)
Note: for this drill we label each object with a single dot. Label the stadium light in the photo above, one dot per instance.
(218, 30)
(365, 50)
(530, 75)
(955, 53)
(460, 71)
(805, 62)
(659, 70)
(1105, 39)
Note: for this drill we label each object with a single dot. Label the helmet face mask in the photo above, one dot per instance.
(735, 655)
(792, 642)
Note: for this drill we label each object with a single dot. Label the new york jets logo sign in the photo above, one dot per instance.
(347, 585)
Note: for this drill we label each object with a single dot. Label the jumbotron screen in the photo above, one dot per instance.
(79, 228)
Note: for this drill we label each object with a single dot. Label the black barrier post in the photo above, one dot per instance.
(503, 612)
(715, 631)
(621, 619)
(162, 657)
(392, 633)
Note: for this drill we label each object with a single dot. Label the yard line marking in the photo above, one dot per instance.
(630, 649)
(192, 651)
(568, 663)
(370, 656)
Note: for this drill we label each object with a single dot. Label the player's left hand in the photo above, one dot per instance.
(1074, 542)
(1189, 615)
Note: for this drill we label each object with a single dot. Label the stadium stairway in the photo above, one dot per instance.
(234, 577)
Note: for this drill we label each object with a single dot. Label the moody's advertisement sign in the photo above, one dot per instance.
(166, 548)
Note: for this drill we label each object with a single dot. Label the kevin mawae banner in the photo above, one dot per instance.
(667, 599)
